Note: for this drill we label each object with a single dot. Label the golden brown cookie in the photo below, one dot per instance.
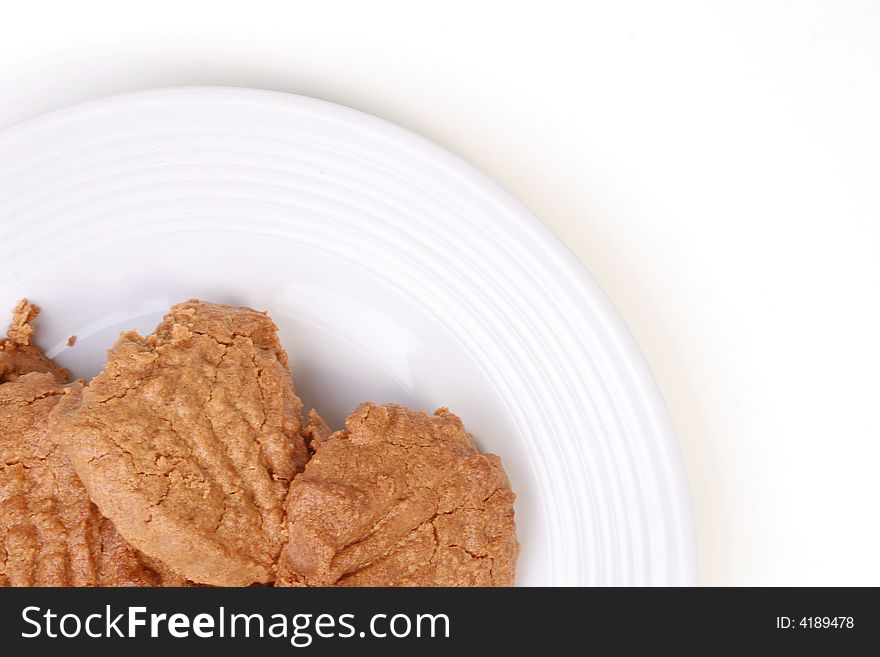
(400, 498)
(188, 440)
(50, 532)
(17, 355)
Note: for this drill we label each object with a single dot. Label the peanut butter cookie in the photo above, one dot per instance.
(188, 440)
(400, 498)
(50, 532)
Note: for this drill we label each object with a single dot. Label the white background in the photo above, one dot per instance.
(716, 166)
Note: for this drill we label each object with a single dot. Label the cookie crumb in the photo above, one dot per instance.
(316, 430)
(18, 354)
(71, 341)
(21, 329)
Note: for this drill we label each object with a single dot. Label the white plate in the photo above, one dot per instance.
(396, 273)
